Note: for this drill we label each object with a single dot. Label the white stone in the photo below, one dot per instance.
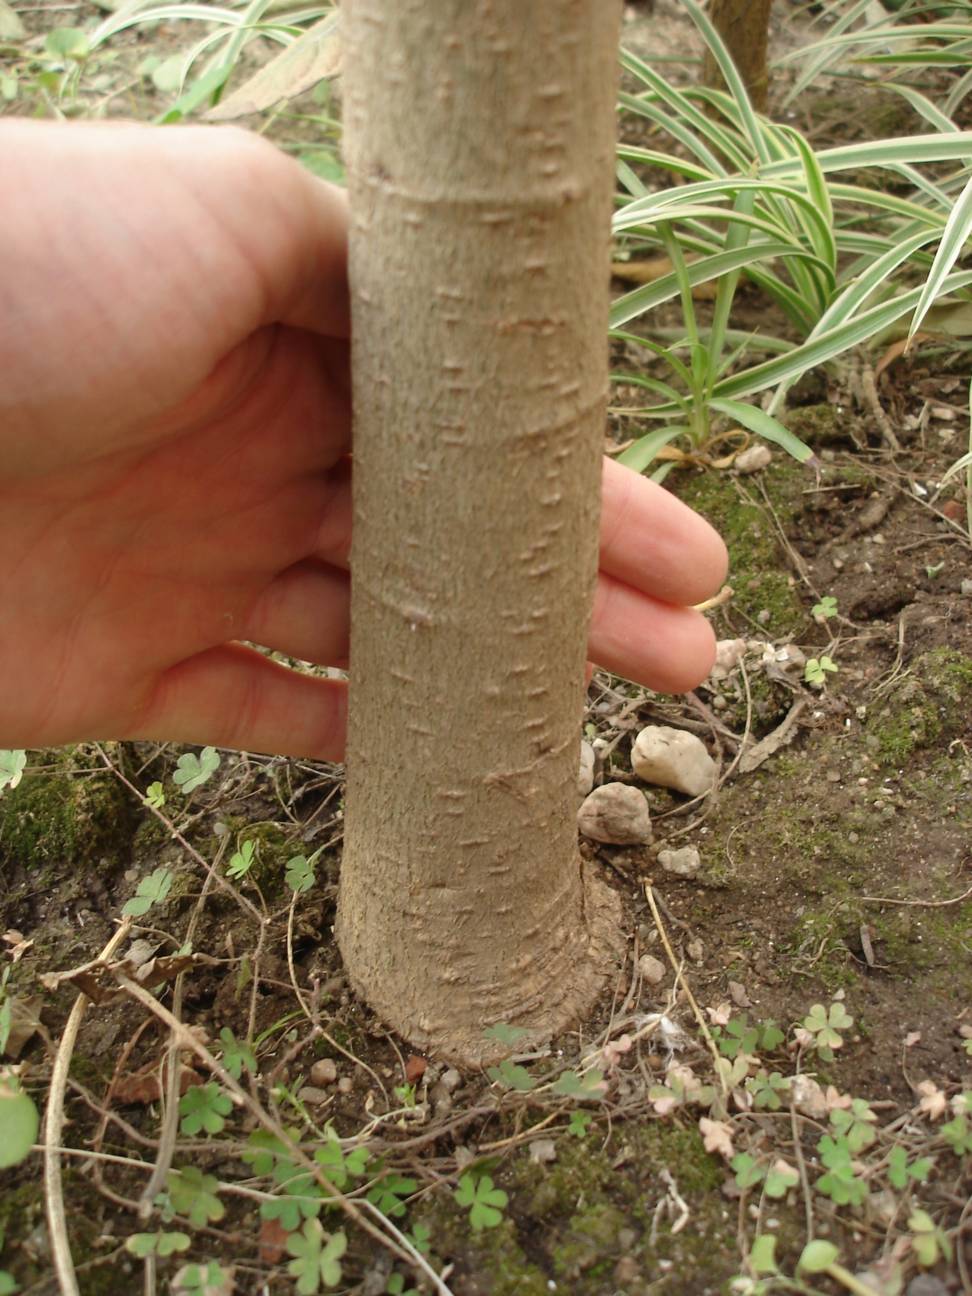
(683, 863)
(585, 776)
(617, 814)
(808, 1097)
(728, 654)
(652, 969)
(752, 460)
(966, 587)
(673, 758)
(324, 1072)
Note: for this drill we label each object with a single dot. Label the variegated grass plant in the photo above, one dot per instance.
(825, 234)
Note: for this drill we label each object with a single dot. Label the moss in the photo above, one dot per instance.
(817, 425)
(756, 567)
(930, 705)
(68, 810)
(590, 1244)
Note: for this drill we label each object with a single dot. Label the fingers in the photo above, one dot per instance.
(653, 542)
(234, 697)
(304, 613)
(669, 649)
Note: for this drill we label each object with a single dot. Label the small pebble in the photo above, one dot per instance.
(652, 969)
(323, 1072)
(451, 1079)
(673, 758)
(683, 863)
(752, 460)
(966, 588)
(345, 1084)
(926, 1285)
(314, 1097)
(585, 775)
(617, 815)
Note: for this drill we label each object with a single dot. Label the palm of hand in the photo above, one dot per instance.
(222, 526)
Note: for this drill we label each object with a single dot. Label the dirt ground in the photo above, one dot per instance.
(836, 870)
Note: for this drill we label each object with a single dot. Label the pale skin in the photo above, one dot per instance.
(174, 440)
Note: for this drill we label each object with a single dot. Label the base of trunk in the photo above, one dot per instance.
(557, 989)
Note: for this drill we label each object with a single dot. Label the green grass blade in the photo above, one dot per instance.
(924, 107)
(958, 228)
(644, 450)
(733, 80)
(756, 420)
(834, 342)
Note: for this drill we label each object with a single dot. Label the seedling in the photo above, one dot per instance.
(901, 1171)
(928, 1241)
(204, 1107)
(840, 1183)
(19, 1121)
(12, 766)
(817, 669)
(318, 1256)
(827, 607)
(241, 861)
(856, 1124)
(202, 1280)
(512, 1076)
(155, 796)
(590, 1085)
(824, 1025)
(486, 1203)
(389, 1193)
(151, 890)
(194, 1195)
(237, 1056)
(193, 771)
(160, 1244)
(299, 874)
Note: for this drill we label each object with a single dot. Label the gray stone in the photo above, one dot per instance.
(752, 460)
(683, 863)
(585, 775)
(673, 758)
(616, 814)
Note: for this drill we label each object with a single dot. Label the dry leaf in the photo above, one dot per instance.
(933, 1102)
(912, 1038)
(415, 1068)
(139, 1088)
(312, 57)
(614, 1050)
(273, 1241)
(738, 995)
(25, 1023)
(717, 1137)
(720, 1014)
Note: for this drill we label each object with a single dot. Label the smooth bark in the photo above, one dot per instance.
(479, 140)
(744, 26)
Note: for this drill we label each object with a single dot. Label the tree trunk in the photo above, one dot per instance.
(479, 141)
(744, 26)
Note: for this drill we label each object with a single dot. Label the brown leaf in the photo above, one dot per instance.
(312, 57)
(415, 1068)
(717, 1137)
(145, 1086)
(273, 1241)
(25, 1023)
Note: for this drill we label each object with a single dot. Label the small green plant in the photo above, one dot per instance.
(193, 771)
(957, 1132)
(589, 1085)
(928, 1241)
(12, 766)
(155, 795)
(827, 607)
(855, 1124)
(511, 1076)
(822, 1027)
(901, 1171)
(817, 669)
(160, 1243)
(777, 1179)
(204, 1108)
(340, 1166)
(389, 1194)
(405, 1093)
(150, 890)
(840, 1182)
(299, 874)
(194, 1195)
(396, 1286)
(578, 1123)
(241, 861)
(317, 1257)
(237, 1056)
(210, 1279)
(738, 1036)
(19, 1121)
(486, 1203)
(503, 1033)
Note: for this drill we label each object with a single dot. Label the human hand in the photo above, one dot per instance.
(174, 432)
